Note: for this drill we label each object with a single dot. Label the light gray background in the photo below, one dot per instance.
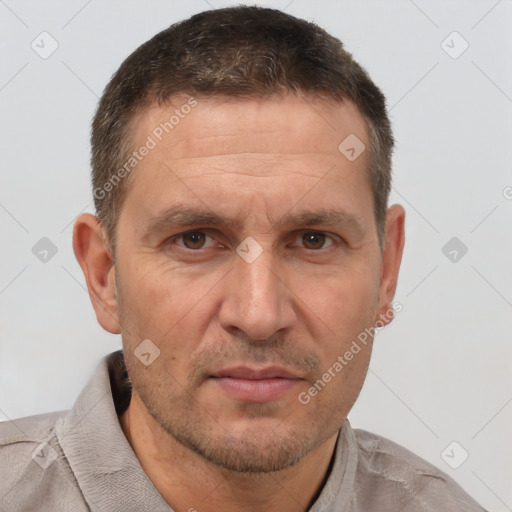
(441, 371)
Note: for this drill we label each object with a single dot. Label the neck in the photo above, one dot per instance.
(188, 482)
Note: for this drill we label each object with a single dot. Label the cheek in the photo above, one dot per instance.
(341, 328)
(344, 301)
(166, 304)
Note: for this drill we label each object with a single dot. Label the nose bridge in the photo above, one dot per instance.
(259, 278)
(256, 301)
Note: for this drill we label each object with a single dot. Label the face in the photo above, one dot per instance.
(248, 254)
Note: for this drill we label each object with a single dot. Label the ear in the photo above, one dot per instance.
(391, 258)
(91, 251)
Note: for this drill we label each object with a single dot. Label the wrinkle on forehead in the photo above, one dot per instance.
(249, 164)
(218, 126)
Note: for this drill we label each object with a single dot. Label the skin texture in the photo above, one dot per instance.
(298, 306)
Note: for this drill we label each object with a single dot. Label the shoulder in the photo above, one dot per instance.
(30, 427)
(410, 482)
(35, 472)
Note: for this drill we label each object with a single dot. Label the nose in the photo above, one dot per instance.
(257, 300)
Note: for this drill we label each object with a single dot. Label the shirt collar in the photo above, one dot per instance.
(103, 462)
(108, 471)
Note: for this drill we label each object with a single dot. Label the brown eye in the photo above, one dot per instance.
(313, 240)
(194, 240)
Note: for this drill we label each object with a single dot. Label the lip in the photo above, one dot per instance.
(246, 372)
(255, 385)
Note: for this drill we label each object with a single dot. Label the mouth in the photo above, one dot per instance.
(255, 385)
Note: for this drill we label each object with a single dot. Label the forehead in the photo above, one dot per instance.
(301, 123)
(227, 152)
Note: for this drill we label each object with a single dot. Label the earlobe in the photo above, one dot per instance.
(92, 254)
(391, 259)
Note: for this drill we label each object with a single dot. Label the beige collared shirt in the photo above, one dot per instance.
(80, 460)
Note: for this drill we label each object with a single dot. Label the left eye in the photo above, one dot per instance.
(315, 240)
(193, 239)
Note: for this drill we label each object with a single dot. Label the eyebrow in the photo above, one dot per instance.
(189, 216)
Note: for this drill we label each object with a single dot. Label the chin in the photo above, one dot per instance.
(260, 445)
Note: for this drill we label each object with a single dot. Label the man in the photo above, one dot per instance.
(244, 250)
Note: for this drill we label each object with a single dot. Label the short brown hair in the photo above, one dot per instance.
(245, 52)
